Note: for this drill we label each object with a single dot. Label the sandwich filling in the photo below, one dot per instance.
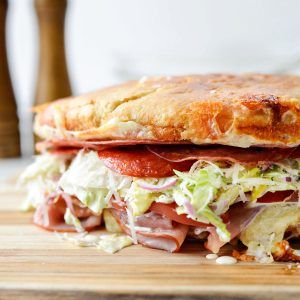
(160, 195)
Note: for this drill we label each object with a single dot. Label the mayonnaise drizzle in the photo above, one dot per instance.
(226, 260)
(211, 256)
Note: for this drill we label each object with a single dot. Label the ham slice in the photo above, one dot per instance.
(89, 223)
(50, 215)
(165, 237)
(239, 216)
(161, 242)
(153, 220)
(222, 153)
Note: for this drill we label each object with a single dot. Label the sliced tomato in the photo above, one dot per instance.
(169, 210)
(140, 162)
(274, 197)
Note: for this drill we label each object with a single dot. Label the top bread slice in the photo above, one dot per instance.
(236, 110)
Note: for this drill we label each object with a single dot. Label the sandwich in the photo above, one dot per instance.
(165, 159)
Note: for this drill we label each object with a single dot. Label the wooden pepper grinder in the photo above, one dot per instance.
(53, 81)
(9, 122)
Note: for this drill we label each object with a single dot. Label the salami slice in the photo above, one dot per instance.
(139, 162)
(68, 144)
(222, 153)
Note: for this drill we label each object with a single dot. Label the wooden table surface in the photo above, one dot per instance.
(37, 263)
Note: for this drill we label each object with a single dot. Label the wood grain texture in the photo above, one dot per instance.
(35, 263)
(53, 80)
(9, 123)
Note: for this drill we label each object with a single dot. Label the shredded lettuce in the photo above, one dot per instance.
(114, 242)
(110, 222)
(41, 178)
(70, 219)
(109, 243)
(225, 199)
(201, 188)
(204, 193)
(211, 189)
(140, 199)
(91, 182)
(44, 166)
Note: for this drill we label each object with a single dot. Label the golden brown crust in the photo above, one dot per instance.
(238, 110)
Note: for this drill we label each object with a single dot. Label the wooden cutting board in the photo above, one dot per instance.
(37, 263)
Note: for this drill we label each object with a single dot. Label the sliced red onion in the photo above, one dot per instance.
(41, 215)
(52, 196)
(189, 208)
(199, 230)
(131, 224)
(156, 187)
(65, 196)
(69, 202)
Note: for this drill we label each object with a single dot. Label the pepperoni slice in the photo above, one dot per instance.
(139, 162)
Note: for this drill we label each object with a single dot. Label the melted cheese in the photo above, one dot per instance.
(268, 228)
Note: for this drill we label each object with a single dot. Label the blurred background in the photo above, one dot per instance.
(109, 41)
